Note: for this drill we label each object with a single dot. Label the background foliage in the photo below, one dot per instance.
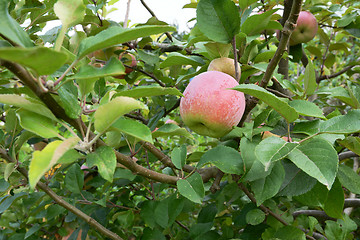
(93, 147)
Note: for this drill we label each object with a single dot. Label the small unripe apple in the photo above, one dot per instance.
(209, 107)
(305, 30)
(225, 65)
(128, 59)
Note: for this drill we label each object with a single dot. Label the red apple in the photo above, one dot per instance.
(209, 107)
(225, 65)
(305, 30)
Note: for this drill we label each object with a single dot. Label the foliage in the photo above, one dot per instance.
(87, 147)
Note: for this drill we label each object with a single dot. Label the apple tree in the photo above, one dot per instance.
(93, 145)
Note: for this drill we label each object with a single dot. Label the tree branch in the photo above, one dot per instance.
(92, 222)
(347, 154)
(284, 39)
(334, 75)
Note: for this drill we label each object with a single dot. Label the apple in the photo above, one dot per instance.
(128, 59)
(305, 30)
(209, 107)
(225, 65)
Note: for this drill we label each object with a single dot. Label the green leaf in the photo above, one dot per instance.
(268, 187)
(149, 91)
(273, 149)
(169, 130)
(70, 12)
(27, 103)
(309, 79)
(351, 143)
(349, 178)
(68, 94)
(41, 162)
(219, 20)
(11, 29)
(256, 23)
(334, 203)
(44, 61)
(178, 156)
(112, 68)
(176, 58)
(349, 123)
(104, 158)
(116, 35)
(289, 113)
(255, 217)
(290, 232)
(317, 158)
(38, 124)
(132, 128)
(225, 158)
(307, 108)
(108, 113)
(74, 179)
(316, 197)
(5, 204)
(192, 188)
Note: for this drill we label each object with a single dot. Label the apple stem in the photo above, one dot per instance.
(237, 75)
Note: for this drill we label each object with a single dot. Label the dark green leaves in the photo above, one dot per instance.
(74, 179)
(219, 20)
(192, 188)
(343, 124)
(289, 113)
(256, 23)
(117, 35)
(225, 158)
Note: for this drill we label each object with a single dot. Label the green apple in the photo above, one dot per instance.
(225, 65)
(209, 107)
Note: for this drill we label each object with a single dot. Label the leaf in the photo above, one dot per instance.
(169, 130)
(349, 178)
(11, 29)
(316, 197)
(290, 232)
(351, 143)
(309, 79)
(176, 58)
(255, 217)
(63, 148)
(108, 113)
(116, 35)
(104, 158)
(41, 162)
(219, 20)
(307, 108)
(5, 204)
(317, 158)
(70, 12)
(132, 128)
(225, 158)
(273, 149)
(149, 91)
(74, 179)
(256, 23)
(38, 124)
(44, 61)
(289, 113)
(349, 123)
(112, 68)
(178, 156)
(27, 103)
(192, 188)
(268, 187)
(334, 203)
(68, 94)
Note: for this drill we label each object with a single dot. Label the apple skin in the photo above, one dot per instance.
(225, 65)
(208, 107)
(128, 59)
(305, 30)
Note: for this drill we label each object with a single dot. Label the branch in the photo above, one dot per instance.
(318, 214)
(284, 39)
(147, 74)
(348, 154)
(92, 222)
(322, 77)
(237, 73)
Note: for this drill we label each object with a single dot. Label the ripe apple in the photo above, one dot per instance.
(209, 107)
(225, 65)
(128, 59)
(305, 30)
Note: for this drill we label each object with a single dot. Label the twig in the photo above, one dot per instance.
(325, 53)
(147, 74)
(127, 14)
(237, 73)
(322, 77)
(182, 225)
(153, 14)
(348, 154)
